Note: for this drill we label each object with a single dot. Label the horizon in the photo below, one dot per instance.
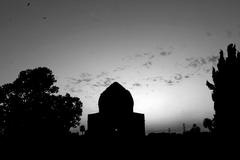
(161, 51)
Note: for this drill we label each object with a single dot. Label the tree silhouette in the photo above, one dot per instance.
(209, 124)
(82, 129)
(225, 89)
(30, 106)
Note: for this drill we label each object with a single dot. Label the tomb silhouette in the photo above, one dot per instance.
(116, 116)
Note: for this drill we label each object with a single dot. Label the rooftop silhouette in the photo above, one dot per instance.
(116, 116)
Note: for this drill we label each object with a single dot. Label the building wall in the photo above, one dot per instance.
(126, 125)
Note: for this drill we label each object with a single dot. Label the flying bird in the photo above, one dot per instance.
(28, 4)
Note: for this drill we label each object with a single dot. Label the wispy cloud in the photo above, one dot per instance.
(105, 82)
(165, 53)
(160, 52)
(169, 82)
(137, 84)
(102, 74)
(175, 79)
(186, 76)
(145, 59)
(213, 59)
(154, 79)
(195, 62)
(178, 77)
(152, 56)
(134, 64)
(108, 81)
(198, 62)
(83, 77)
(80, 80)
(120, 68)
(147, 64)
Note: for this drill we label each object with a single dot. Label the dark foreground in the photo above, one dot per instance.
(96, 146)
(198, 147)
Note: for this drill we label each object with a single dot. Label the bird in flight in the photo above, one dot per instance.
(28, 4)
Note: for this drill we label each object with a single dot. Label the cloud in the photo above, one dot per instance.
(152, 56)
(108, 81)
(104, 82)
(178, 77)
(87, 82)
(97, 84)
(165, 53)
(81, 79)
(147, 64)
(84, 80)
(154, 79)
(213, 59)
(174, 79)
(186, 76)
(147, 53)
(196, 62)
(85, 75)
(195, 65)
(207, 70)
(122, 68)
(203, 61)
(138, 55)
(102, 74)
(137, 85)
(169, 82)
(144, 59)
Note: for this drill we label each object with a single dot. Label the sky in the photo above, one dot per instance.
(162, 51)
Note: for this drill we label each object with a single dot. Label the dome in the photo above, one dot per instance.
(115, 100)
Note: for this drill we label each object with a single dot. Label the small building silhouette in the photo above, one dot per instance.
(116, 116)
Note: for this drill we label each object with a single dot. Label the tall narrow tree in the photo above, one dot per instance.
(225, 95)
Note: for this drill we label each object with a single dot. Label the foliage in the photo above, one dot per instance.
(225, 88)
(30, 106)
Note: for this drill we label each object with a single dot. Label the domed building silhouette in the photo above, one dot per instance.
(116, 116)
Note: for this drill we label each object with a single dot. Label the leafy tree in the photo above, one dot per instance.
(225, 94)
(82, 129)
(208, 123)
(30, 106)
